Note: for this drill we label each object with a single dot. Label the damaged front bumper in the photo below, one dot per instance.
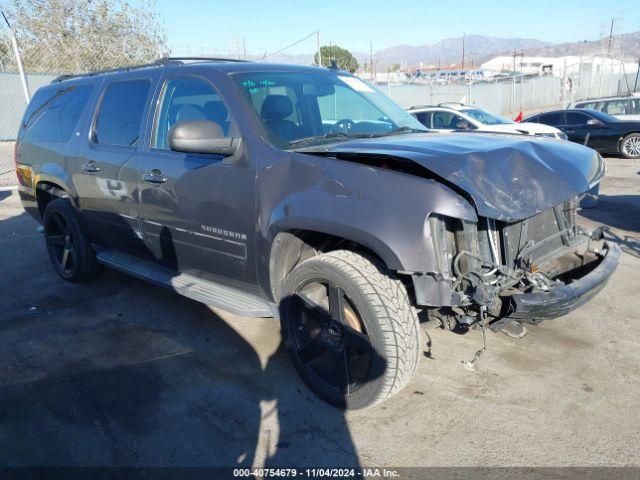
(563, 298)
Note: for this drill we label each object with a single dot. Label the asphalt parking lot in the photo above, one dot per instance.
(119, 372)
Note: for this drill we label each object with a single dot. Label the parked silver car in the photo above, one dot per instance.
(624, 108)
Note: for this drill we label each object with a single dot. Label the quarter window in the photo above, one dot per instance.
(53, 115)
(185, 99)
(120, 113)
(423, 118)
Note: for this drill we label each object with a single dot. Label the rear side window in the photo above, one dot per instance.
(574, 118)
(120, 113)
(616, 107)
(444, 120)
(551, 119)
(53, 115)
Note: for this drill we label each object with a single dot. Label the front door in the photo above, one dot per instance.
(107, 181)
(577, 128)
(197, 210)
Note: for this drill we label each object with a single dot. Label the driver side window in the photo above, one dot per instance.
(189, 98)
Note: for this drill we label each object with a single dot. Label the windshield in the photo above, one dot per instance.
(486, 117)
(304, 109)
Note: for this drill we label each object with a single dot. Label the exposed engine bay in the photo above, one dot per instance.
(490, 263)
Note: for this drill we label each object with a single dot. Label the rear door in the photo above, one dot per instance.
(107, 182)
(197, 210)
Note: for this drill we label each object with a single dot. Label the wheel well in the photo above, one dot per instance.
(47, 192)
(292, 247)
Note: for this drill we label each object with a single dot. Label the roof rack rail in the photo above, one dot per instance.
(421, 106)
(207, 59)
(161, 62)
(444, 104)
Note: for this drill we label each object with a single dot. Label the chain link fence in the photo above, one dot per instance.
(67, 37)
(509, 97)
(87, 49)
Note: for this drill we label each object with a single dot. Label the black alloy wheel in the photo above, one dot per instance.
(69, 248)
(328, 337)
(61, 244)
(349, 327)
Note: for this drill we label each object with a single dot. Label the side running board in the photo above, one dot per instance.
(209, 293)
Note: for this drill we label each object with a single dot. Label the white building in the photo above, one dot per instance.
(558, 66)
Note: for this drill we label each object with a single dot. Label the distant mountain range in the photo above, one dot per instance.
(629, 46)
(478, 49)
(449, 51)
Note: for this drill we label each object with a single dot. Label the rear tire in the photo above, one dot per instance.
(375, 334)
(69, 248)
(630, 146)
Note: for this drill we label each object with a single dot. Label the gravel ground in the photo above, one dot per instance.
(118, 372)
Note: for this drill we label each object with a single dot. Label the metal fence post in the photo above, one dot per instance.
(16, 51)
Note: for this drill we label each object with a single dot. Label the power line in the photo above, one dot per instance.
(289, 46)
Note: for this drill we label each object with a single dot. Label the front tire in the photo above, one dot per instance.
(630, 146)
(69, 248)
(350, 329)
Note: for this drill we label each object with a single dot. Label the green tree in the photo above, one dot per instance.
(344, 58)
(396, 67)
(72, 36)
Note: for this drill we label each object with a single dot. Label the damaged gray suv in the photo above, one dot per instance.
(306, 194)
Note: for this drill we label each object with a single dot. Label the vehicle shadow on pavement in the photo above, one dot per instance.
(117, 372)
(619, 212)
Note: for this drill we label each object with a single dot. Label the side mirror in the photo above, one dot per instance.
(201, 136)
(593, 121)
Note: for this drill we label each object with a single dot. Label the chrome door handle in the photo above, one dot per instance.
(90, 167)
(154, 176)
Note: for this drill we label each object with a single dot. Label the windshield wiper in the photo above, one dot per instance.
(314, 138)
(401, 130)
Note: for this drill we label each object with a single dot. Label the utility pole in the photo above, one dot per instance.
(16, 51)
(521, 80)
(463, 39)
(318, 45)
(513, 84)
(577, 96)
(610, 36)
(373, 72)
(635, 84)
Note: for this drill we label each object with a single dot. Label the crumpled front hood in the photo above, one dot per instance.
(508, 177)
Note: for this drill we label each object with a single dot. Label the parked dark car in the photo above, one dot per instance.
(306, 194)
(598, 130)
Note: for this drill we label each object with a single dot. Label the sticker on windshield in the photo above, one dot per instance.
(357, 84)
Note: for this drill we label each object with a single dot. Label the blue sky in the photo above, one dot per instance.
(215, 26)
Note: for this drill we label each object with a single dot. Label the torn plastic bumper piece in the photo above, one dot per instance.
(562, 299)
